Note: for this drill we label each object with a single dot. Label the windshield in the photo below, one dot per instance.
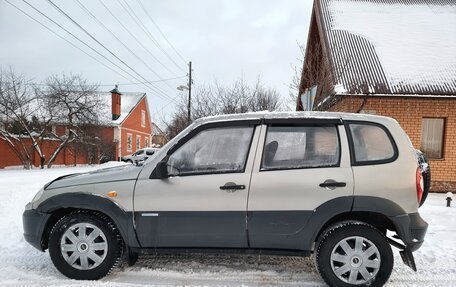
(171, 142)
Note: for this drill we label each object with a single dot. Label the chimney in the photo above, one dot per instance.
(115, 103)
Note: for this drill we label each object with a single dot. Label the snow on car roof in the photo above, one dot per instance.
(391, 46)
(290, 115)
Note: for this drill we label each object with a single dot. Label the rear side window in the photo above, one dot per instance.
(371, 144)
(292, 147)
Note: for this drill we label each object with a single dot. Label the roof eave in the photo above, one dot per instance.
(449, 96)
(134, 107)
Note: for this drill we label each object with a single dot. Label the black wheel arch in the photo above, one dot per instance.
(375, 211)
(62, 204)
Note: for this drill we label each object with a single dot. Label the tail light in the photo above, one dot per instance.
(419, 185)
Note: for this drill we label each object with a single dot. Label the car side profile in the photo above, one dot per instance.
(140, 155)
(301, 183)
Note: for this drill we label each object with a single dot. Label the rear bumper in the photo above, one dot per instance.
(34, 223)
(411, 229)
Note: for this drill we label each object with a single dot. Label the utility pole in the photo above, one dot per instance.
(189, 106)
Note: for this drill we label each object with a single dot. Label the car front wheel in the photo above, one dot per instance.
(354, 254)
(85, 245)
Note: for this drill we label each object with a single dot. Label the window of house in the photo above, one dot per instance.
(291, 147)
(371, 143)
(432, 133)
(138, 142)
(143, 118)
(216, 150)
(129, 142)
(146, 142)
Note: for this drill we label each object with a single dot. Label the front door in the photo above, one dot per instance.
(204, 201)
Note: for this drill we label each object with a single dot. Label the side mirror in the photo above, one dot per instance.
(161, 170)
(149, 152)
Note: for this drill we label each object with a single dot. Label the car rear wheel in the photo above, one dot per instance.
(354, 254)
(85, 245)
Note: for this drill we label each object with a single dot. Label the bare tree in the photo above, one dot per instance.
(75, 105)
(293, 87)
(217, 99)
(27, 114)
(23, 116)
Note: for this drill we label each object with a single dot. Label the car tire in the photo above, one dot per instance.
(88, 256)
(354, 254)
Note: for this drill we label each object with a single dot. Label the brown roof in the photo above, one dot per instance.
(390, 46)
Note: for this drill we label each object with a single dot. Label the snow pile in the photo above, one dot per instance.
(23, 265)
(414, 40)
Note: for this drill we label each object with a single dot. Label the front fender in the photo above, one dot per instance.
(123, 219)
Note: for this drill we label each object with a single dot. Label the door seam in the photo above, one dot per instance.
(250, 186)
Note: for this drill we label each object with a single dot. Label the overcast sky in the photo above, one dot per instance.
(224, 39)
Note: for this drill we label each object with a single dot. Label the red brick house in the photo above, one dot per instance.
(389, 57)
(130, 127)
(125, 127)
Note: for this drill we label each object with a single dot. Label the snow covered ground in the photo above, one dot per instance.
(22, 265)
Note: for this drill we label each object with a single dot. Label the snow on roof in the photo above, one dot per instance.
(392, 46)
(128, 102)
(289, 115)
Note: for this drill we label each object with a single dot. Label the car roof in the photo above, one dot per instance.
(293, 115)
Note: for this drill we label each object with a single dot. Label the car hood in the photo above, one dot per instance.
(118, 173)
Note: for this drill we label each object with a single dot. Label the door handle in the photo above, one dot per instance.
(232, 187)
(332, 184)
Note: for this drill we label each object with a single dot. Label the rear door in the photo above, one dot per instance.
(299, 167)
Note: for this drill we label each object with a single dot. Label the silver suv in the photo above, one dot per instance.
(140, 155)
(328, 184)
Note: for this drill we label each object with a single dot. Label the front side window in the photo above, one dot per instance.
(371, 143)
(432, 130)
(291, 147)
(216, 150)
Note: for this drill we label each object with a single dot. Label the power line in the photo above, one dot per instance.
(55, 33)
(157, 81)
(120, 41)
(134, 37)
(87, 45)
(146, 31)
(161, 32)
(101, 44)
(113, 84)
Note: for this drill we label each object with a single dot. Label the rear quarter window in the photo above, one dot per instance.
(371, 144)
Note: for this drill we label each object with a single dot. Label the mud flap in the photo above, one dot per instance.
(132, 256)
(406, 254)
(407, 257)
